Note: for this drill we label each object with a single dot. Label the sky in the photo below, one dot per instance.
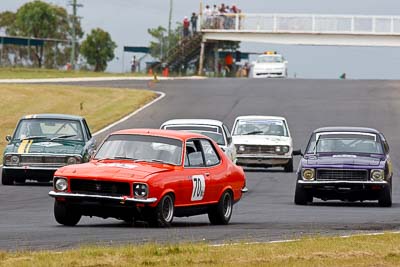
(128, 20)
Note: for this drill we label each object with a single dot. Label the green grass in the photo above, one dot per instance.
(382, 250)
(35, 73)
(101, 106)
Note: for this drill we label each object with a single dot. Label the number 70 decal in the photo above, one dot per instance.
(199, 187)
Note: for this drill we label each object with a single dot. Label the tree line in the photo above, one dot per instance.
(42, 20)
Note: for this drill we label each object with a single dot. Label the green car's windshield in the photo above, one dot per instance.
(52, 129)
(345, 143)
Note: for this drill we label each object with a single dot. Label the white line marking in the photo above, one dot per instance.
(297, 240)
(96, 79)
(161, 96)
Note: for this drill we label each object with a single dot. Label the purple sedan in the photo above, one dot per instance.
(345, 163)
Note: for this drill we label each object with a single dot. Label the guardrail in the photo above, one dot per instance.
(303, 23)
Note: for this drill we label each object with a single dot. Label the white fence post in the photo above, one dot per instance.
(313, 23)
(237, 22)
(391, 25)
(275, 27)
(373, 24)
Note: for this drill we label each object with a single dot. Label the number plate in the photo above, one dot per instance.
(199, 187)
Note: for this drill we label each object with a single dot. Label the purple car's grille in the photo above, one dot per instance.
(342, 175)
(99, 187)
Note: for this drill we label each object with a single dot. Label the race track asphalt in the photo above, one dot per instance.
(267, 212)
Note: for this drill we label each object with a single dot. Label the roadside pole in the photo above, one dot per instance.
(201, 63)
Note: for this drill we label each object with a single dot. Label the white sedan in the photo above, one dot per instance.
(214, 129)
(269, 65)
(263, 141)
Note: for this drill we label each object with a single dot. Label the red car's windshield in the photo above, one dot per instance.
(141, 148)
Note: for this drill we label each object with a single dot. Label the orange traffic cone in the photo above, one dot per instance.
(165, 72)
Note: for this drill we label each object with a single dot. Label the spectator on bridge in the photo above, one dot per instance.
(193, 21)
(222, 17)
(186, 25)
(215, 14)
(207, 16)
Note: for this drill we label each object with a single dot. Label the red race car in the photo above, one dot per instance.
(150, 175)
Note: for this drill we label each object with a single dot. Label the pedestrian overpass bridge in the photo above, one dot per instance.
(304, 29)
(301, 29)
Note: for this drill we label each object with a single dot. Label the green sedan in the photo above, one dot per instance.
(42, 143)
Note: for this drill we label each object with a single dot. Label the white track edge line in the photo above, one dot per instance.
(297, 240)
(161, 95)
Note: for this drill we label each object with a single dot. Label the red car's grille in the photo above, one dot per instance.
(342, 175)
(100, 187)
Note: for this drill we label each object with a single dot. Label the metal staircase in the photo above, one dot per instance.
(185, 51)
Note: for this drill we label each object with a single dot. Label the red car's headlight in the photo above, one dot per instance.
(60, 183)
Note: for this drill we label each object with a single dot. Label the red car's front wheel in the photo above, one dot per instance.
(65, 214)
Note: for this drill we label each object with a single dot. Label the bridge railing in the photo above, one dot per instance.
(303, 23)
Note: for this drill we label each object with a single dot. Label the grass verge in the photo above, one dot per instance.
(35, 73)
(382, 250)
(100, 106)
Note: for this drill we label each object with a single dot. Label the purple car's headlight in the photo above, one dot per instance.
(377, 175)
(308, 174)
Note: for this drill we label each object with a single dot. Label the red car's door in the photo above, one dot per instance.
(202, 171)
(196, 184)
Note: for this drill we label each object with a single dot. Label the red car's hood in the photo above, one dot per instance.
(113, 170)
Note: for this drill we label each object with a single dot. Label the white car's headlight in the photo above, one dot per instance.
(61, 184)
(241, 148)
(308, 174)
(377, 175)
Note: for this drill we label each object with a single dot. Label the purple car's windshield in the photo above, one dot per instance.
(345, 143)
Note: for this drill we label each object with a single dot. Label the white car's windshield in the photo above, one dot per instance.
(214, 132)
(260, 127)
(345, 143)
(269, 59)
(48, 129)
(141, 148)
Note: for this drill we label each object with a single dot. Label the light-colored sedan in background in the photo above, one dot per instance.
(263, 141)
(214, 129)
(269, 65)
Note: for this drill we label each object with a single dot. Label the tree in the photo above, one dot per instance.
(163, 43)
(98, 49)
(39, 19)
(158, 47)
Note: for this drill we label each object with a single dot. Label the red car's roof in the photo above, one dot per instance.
(183, 135)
